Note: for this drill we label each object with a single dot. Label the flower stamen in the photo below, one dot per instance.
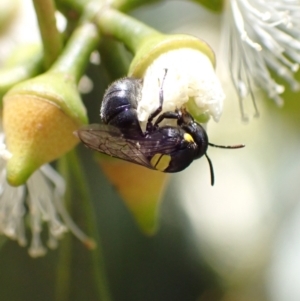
(59, 191)
(263, 35)
(41, 199)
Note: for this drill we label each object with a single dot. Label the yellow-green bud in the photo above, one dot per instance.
(39, 117)
(41, 114)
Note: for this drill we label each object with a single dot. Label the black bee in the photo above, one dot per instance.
(165, 148)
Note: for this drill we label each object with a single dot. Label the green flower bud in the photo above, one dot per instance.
(40, 114)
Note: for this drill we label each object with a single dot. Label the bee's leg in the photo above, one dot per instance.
(159, 109)
(167, 115)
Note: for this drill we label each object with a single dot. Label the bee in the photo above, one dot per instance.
(160, 147)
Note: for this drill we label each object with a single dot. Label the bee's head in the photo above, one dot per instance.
(198, 133)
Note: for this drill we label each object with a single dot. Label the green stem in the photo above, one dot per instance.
(114, 58)
(76, 5)
(52, 42)
(126, 5)
(25, 62)
(122, 5)
(130, 31)
(76, 54)
(214, 5)
(98, 262)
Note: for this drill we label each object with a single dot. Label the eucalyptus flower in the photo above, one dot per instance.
(190, 80)
(190, 77)
(263, 40)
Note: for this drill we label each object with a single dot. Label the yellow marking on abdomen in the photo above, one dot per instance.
(187, 137)
(160, 161)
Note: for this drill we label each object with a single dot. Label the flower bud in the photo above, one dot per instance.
(39, 117)
(41, 114)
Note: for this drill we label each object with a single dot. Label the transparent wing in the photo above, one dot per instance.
(129, 146)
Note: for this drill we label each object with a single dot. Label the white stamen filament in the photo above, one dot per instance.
(264, 34)
(59, 191)
(45, 190)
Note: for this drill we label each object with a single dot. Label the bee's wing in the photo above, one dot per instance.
(130, 146)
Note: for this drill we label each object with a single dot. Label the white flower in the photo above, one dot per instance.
(263, 36)
(40, 200)
(190, 77)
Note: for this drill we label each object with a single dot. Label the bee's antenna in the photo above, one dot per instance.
(212, 175)
(227, 146)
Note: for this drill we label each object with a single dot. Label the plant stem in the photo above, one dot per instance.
(122, 5)
(124, 28)
(77, 5)
(98, 262)
(76, 54)
(114, 58)
(25, 62)
(126, 5)
(52, 42)
(214, 5)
